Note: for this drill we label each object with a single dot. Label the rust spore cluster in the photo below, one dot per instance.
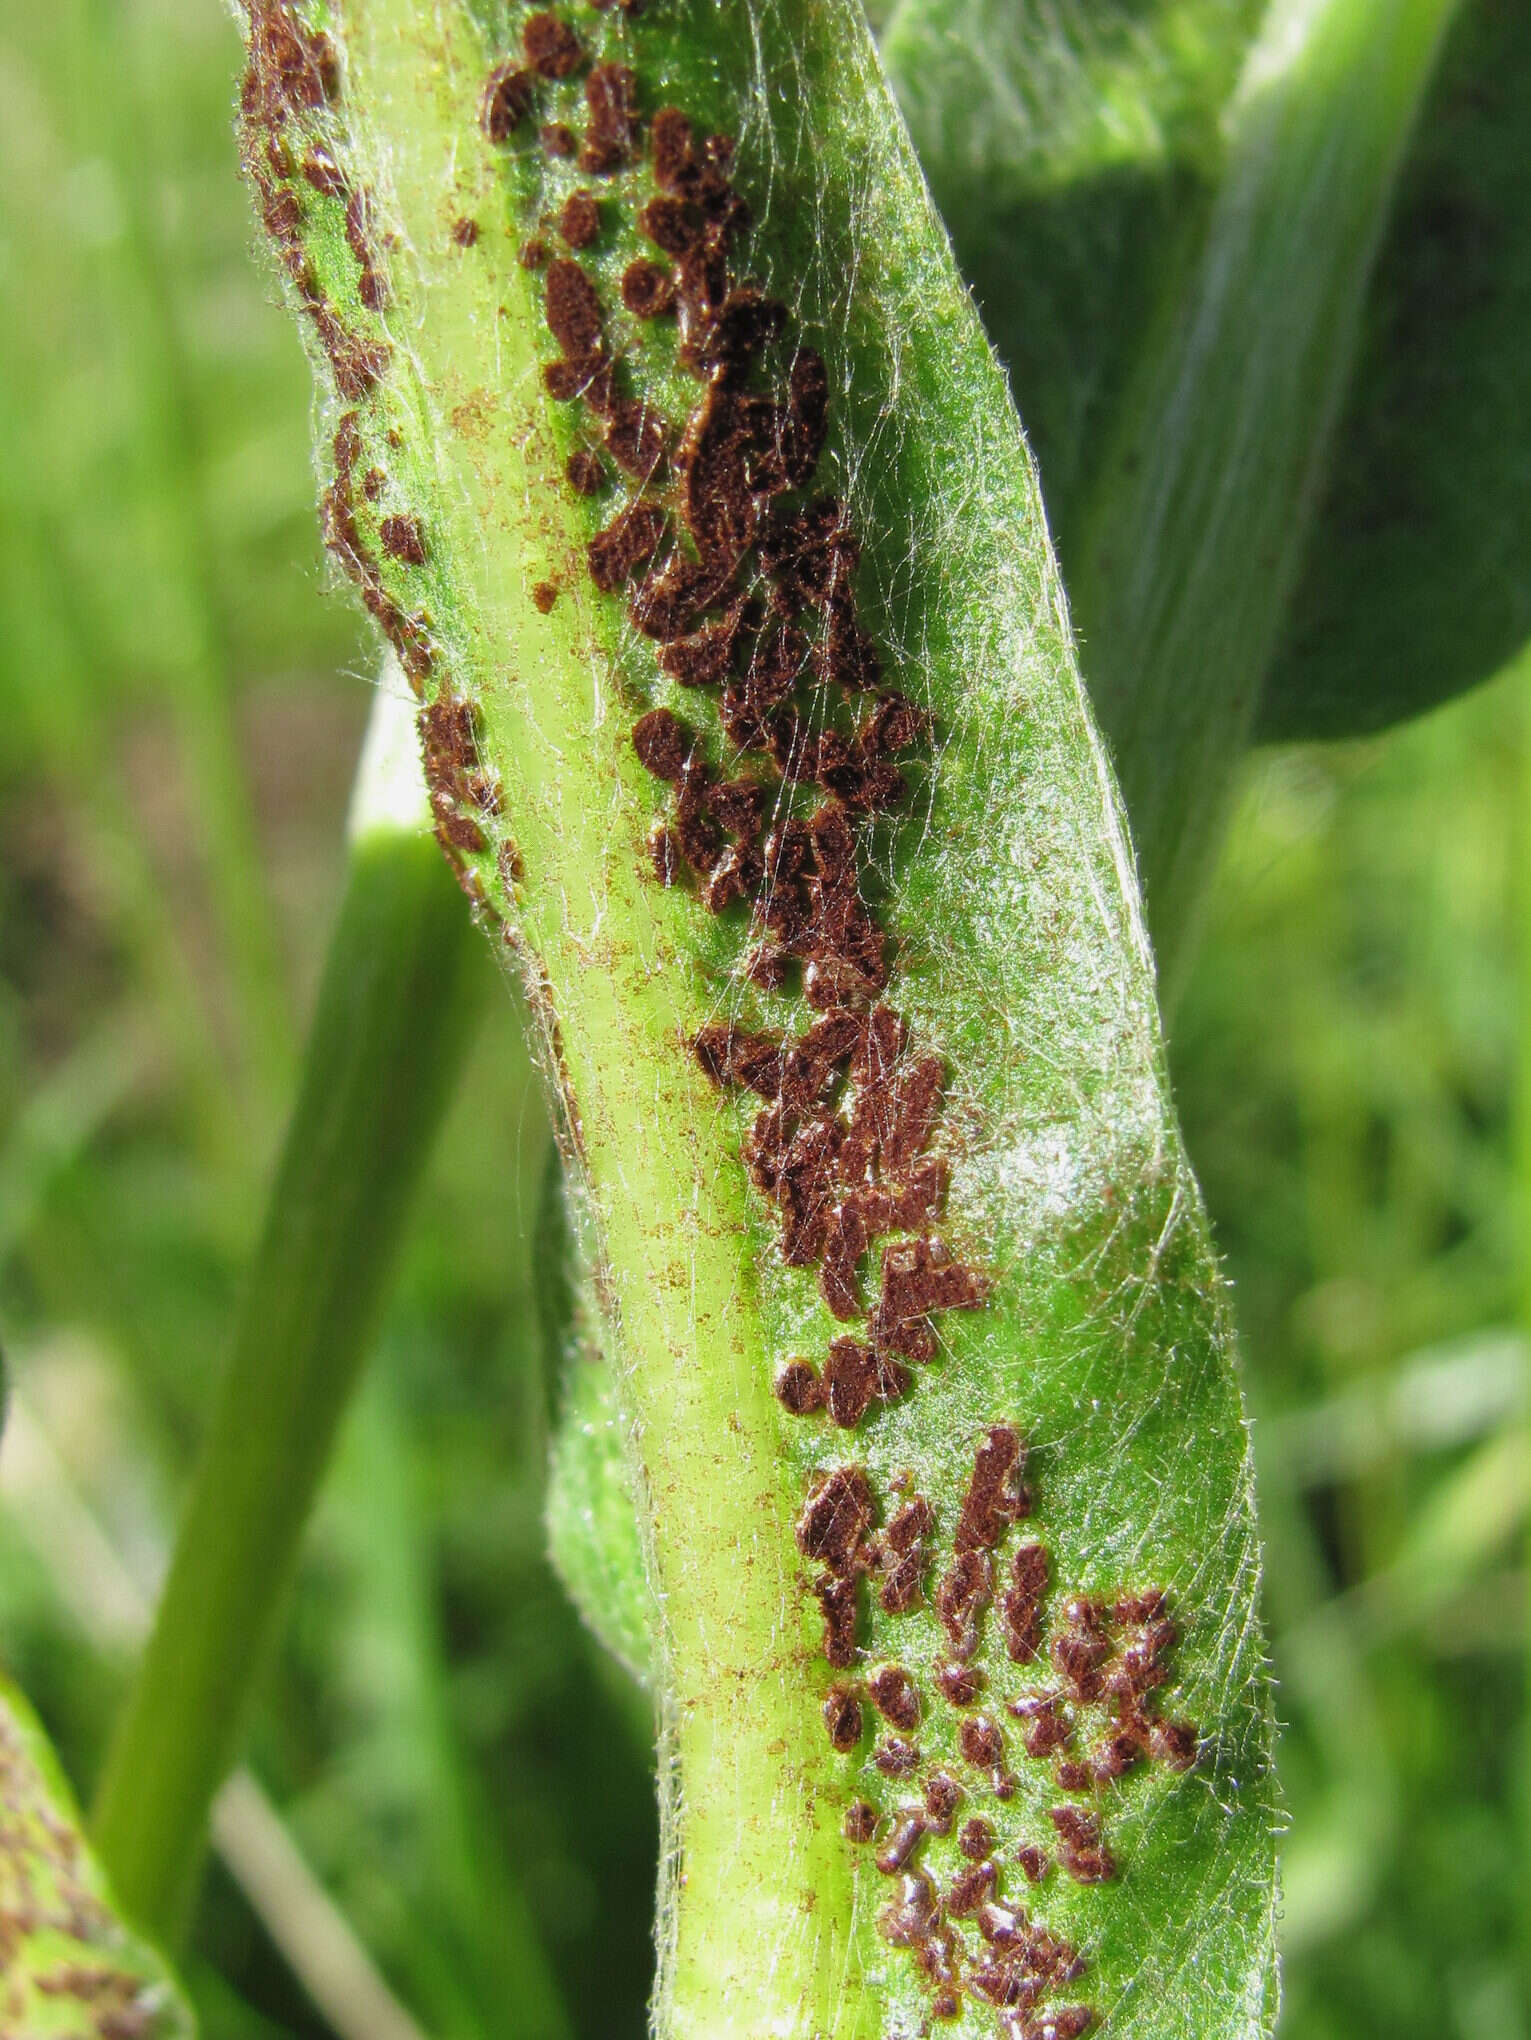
(291, 84)
(741, 575)
(743, 579)
(1083, 1704)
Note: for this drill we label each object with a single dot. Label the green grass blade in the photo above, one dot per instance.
(1066, 1255)
(394, 1013)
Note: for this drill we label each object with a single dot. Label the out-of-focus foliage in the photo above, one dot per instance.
(1418, 576)
(1344, 1058)
(1075, 150)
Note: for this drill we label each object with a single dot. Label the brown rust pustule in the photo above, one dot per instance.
(508, 96)
(552, 48)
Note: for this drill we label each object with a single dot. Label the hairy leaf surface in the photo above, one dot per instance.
(681, 476)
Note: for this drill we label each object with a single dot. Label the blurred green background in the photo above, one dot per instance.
(183, 696)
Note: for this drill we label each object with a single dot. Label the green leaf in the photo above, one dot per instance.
(1073, 152)
(68, 1966)
(964, 928)
(1417, 581)
(1184, 545)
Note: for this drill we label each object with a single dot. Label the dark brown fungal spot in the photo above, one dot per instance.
(901, 1555)
(1136, 1611)
(552, 48)
(507, 100)
(895, 1757)
(799, 1389)
(842, 1718)
(1072, 2022)
(730, 1055)
(325, 174)
(860, 1823)
(855, 1377)
(836, 1518)
(908, 1918)
(464, 232)
(612, 130)
(961, 1598)
(1072, 1776)
(672, 224)
(544, 596)
(635, 438)
(895, 1696)
(533, 254)
(557, 140)
(995, 1496)
(900, 1845)
(919, 1277)
(1078, 1655)
(572, 309)
(358, 226)
(627, 543)
(981, 1743)
(648, 291)
(837, 1604)
(373, 483)
(1047, 1723)
(291, 68)
(580, 220)
(1175, 1743)
(1033, 1862)
(663, 744)
(976, 1839)
(1081, 1851)
(1021, 1604)
(942, 1797)
(586, 473)
(664, 856)
(401, 540)
(970, 1889)
(959, 1685)
(1117, 1755)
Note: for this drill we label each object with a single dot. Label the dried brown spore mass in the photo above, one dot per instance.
(544, 596)
(586, 472)
(401, 539)
(579, 222)
(628, 542)
(611, 132)
(552, 48)
(860, 1823)
(842, 1718)
(836, 1518)
(648, 289)
(508, 96)
(896, 1696)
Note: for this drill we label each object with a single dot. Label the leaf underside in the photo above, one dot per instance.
(685, 484)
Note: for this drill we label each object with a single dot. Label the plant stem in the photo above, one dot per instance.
(1187, 560)
(395, 1008)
